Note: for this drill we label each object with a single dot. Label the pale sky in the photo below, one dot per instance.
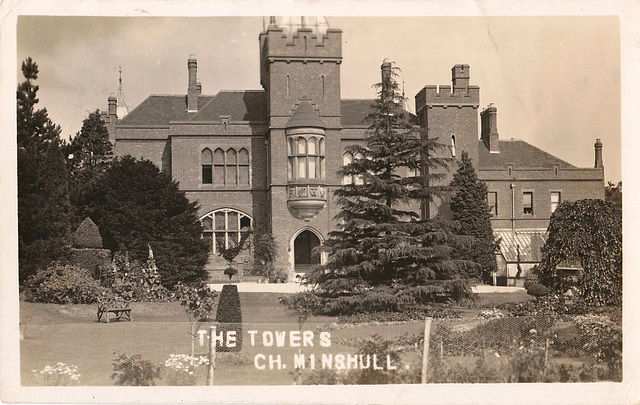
(554, 80)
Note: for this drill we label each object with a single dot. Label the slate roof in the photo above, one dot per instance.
(354, 112)
(161, 109)
(528, 243)
(248, 105)
(518, 153)
(240, 105)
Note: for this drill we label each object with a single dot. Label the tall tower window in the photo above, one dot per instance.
(453, 146)
(206, 160)
(288, 86)
(322, 84)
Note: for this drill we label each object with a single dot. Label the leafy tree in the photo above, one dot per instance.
(613, 193)
(470, 209)
(135, 204)
(43, 199)
(589, 231)
(383, 256)
(198, 301)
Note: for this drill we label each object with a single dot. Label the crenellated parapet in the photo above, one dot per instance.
(444, 96)
(305, 43)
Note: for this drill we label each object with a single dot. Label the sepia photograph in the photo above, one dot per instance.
(296, 208)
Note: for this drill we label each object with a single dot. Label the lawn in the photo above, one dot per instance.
(71, 334)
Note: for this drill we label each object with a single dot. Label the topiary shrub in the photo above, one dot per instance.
(87, 236)
(63, 285)
(537, 290)
(229, 317)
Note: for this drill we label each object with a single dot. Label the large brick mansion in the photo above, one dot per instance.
(268, 158)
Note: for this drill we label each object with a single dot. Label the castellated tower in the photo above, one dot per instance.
(300, 71)
(450, 114)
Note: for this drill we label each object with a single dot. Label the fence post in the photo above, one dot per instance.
(212, 354)
(425, 351)
(546, 356)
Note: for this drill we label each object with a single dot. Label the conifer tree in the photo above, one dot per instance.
(469, 208)
(91, 147)
(90, 153)
(43, 195)
(383, 256)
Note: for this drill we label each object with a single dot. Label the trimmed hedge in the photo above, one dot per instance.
(229, 317)
(87, 236)
(97, 261)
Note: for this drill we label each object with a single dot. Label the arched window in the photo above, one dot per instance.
(228, 168)
(225, 228)
(232, 167)
(243, 167)
(288, 86)
(453, 146)
(206, 160)
(218, 167)
(306, 157)
(347, 159)
(322, 84)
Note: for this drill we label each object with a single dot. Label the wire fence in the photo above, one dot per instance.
(487, 349)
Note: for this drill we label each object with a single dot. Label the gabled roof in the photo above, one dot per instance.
(354, 112)
(518, 153)
(525, 244)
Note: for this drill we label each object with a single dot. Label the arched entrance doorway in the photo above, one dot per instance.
(303, 254)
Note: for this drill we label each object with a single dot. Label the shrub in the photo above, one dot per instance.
(134, 371)
(276, 274)
(229, 316)
(181, 369)
(537, 290)
(58, 374)
(60, 284)
(87, 236)
(603, 335)
(301, 305)
(135, 281)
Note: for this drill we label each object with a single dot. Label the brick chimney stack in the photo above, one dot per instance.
(489, 128)
(192, 91)
(113, 105)
(460, 76)
(598, 149)
(385, 68)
